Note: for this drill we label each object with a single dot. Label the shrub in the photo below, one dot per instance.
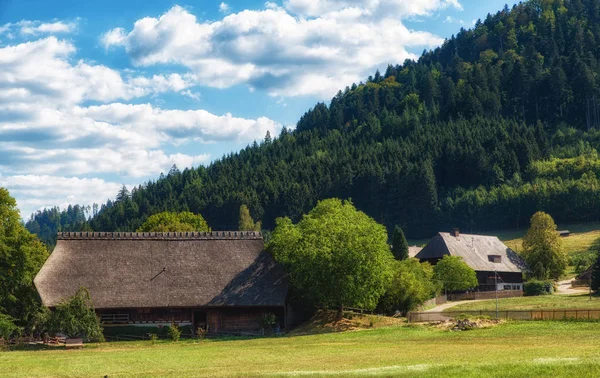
(153, 338)
(268, 322)
(201, 332)
(77, 318)
(7, 327)
(174, 332)
(535, 287)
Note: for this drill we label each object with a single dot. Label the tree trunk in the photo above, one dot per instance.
(340, 312)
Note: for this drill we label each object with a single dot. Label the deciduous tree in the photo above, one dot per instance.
(543, 249)
(454, 274)
(246, 223)
(175, 222)
(335, 256)
(76, 317)
(21, 257)
(412, 284)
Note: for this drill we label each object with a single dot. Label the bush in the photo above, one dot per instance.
(174, 332)
(268, 323)
(7, 327)
(535, 287)
(582, 260)
(76, 318)
(201, 332)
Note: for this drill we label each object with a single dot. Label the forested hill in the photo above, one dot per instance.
(481, 132)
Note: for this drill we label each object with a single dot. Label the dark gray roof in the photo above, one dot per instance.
(475, 250)
(125, 270)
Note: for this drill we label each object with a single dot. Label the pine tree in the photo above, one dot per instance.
(399, 244)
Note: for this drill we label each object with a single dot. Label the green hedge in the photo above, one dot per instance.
(535, 287)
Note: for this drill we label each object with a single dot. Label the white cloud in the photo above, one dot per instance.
(34, 28)
(224, 8)
(49, 132)
(35, 192)
(378, 8)
(278, 51)
(452, 20)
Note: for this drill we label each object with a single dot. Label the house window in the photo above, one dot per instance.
(507, 287)
(497, 259)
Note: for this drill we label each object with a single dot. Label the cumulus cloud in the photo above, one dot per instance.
(377, 8)
(33, 28)
(224, 7)
(61, 118)
(34, 194)
(303, 48)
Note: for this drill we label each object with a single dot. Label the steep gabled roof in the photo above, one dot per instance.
(476, 250)
(141, 270)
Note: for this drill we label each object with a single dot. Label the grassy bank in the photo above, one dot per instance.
(513, 349)
(531, 303)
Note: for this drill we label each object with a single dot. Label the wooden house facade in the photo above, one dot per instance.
(223, 281)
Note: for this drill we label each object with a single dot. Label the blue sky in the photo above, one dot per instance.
(99, 94)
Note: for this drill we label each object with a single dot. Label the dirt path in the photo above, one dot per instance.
(446, 305)
(564, 287)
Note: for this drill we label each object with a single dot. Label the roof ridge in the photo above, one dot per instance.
(214, 235)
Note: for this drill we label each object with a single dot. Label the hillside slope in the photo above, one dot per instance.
(480, 133)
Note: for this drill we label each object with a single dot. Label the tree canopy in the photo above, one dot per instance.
(399, 244)
(175, 222)
(246, 223)
(454, 274)
(76, 317)
(543, 249)
(335, 256)
(21, 257)
(412, 284)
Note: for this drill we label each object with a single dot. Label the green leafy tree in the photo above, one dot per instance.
(543, 249)
(246, 223)
(21, 257)
(399, 244)
(412, 284)
(76, 317)
(175, 222)
(454, 274)
(336, 256)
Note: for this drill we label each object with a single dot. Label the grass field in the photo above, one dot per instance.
(513, 349)
(531, 303)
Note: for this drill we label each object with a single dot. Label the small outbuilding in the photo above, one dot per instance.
(222, 281)
(497, 266)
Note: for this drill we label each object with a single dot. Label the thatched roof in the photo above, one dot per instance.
(143, 270)
(478, 251)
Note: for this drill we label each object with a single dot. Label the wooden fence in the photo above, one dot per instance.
(434, 302)
(485, 295)
(565, 314)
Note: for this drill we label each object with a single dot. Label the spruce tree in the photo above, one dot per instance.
(399, 244)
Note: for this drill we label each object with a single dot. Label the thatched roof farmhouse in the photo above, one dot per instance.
(225, 280)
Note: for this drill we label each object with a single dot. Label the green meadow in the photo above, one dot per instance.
(512, 349)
